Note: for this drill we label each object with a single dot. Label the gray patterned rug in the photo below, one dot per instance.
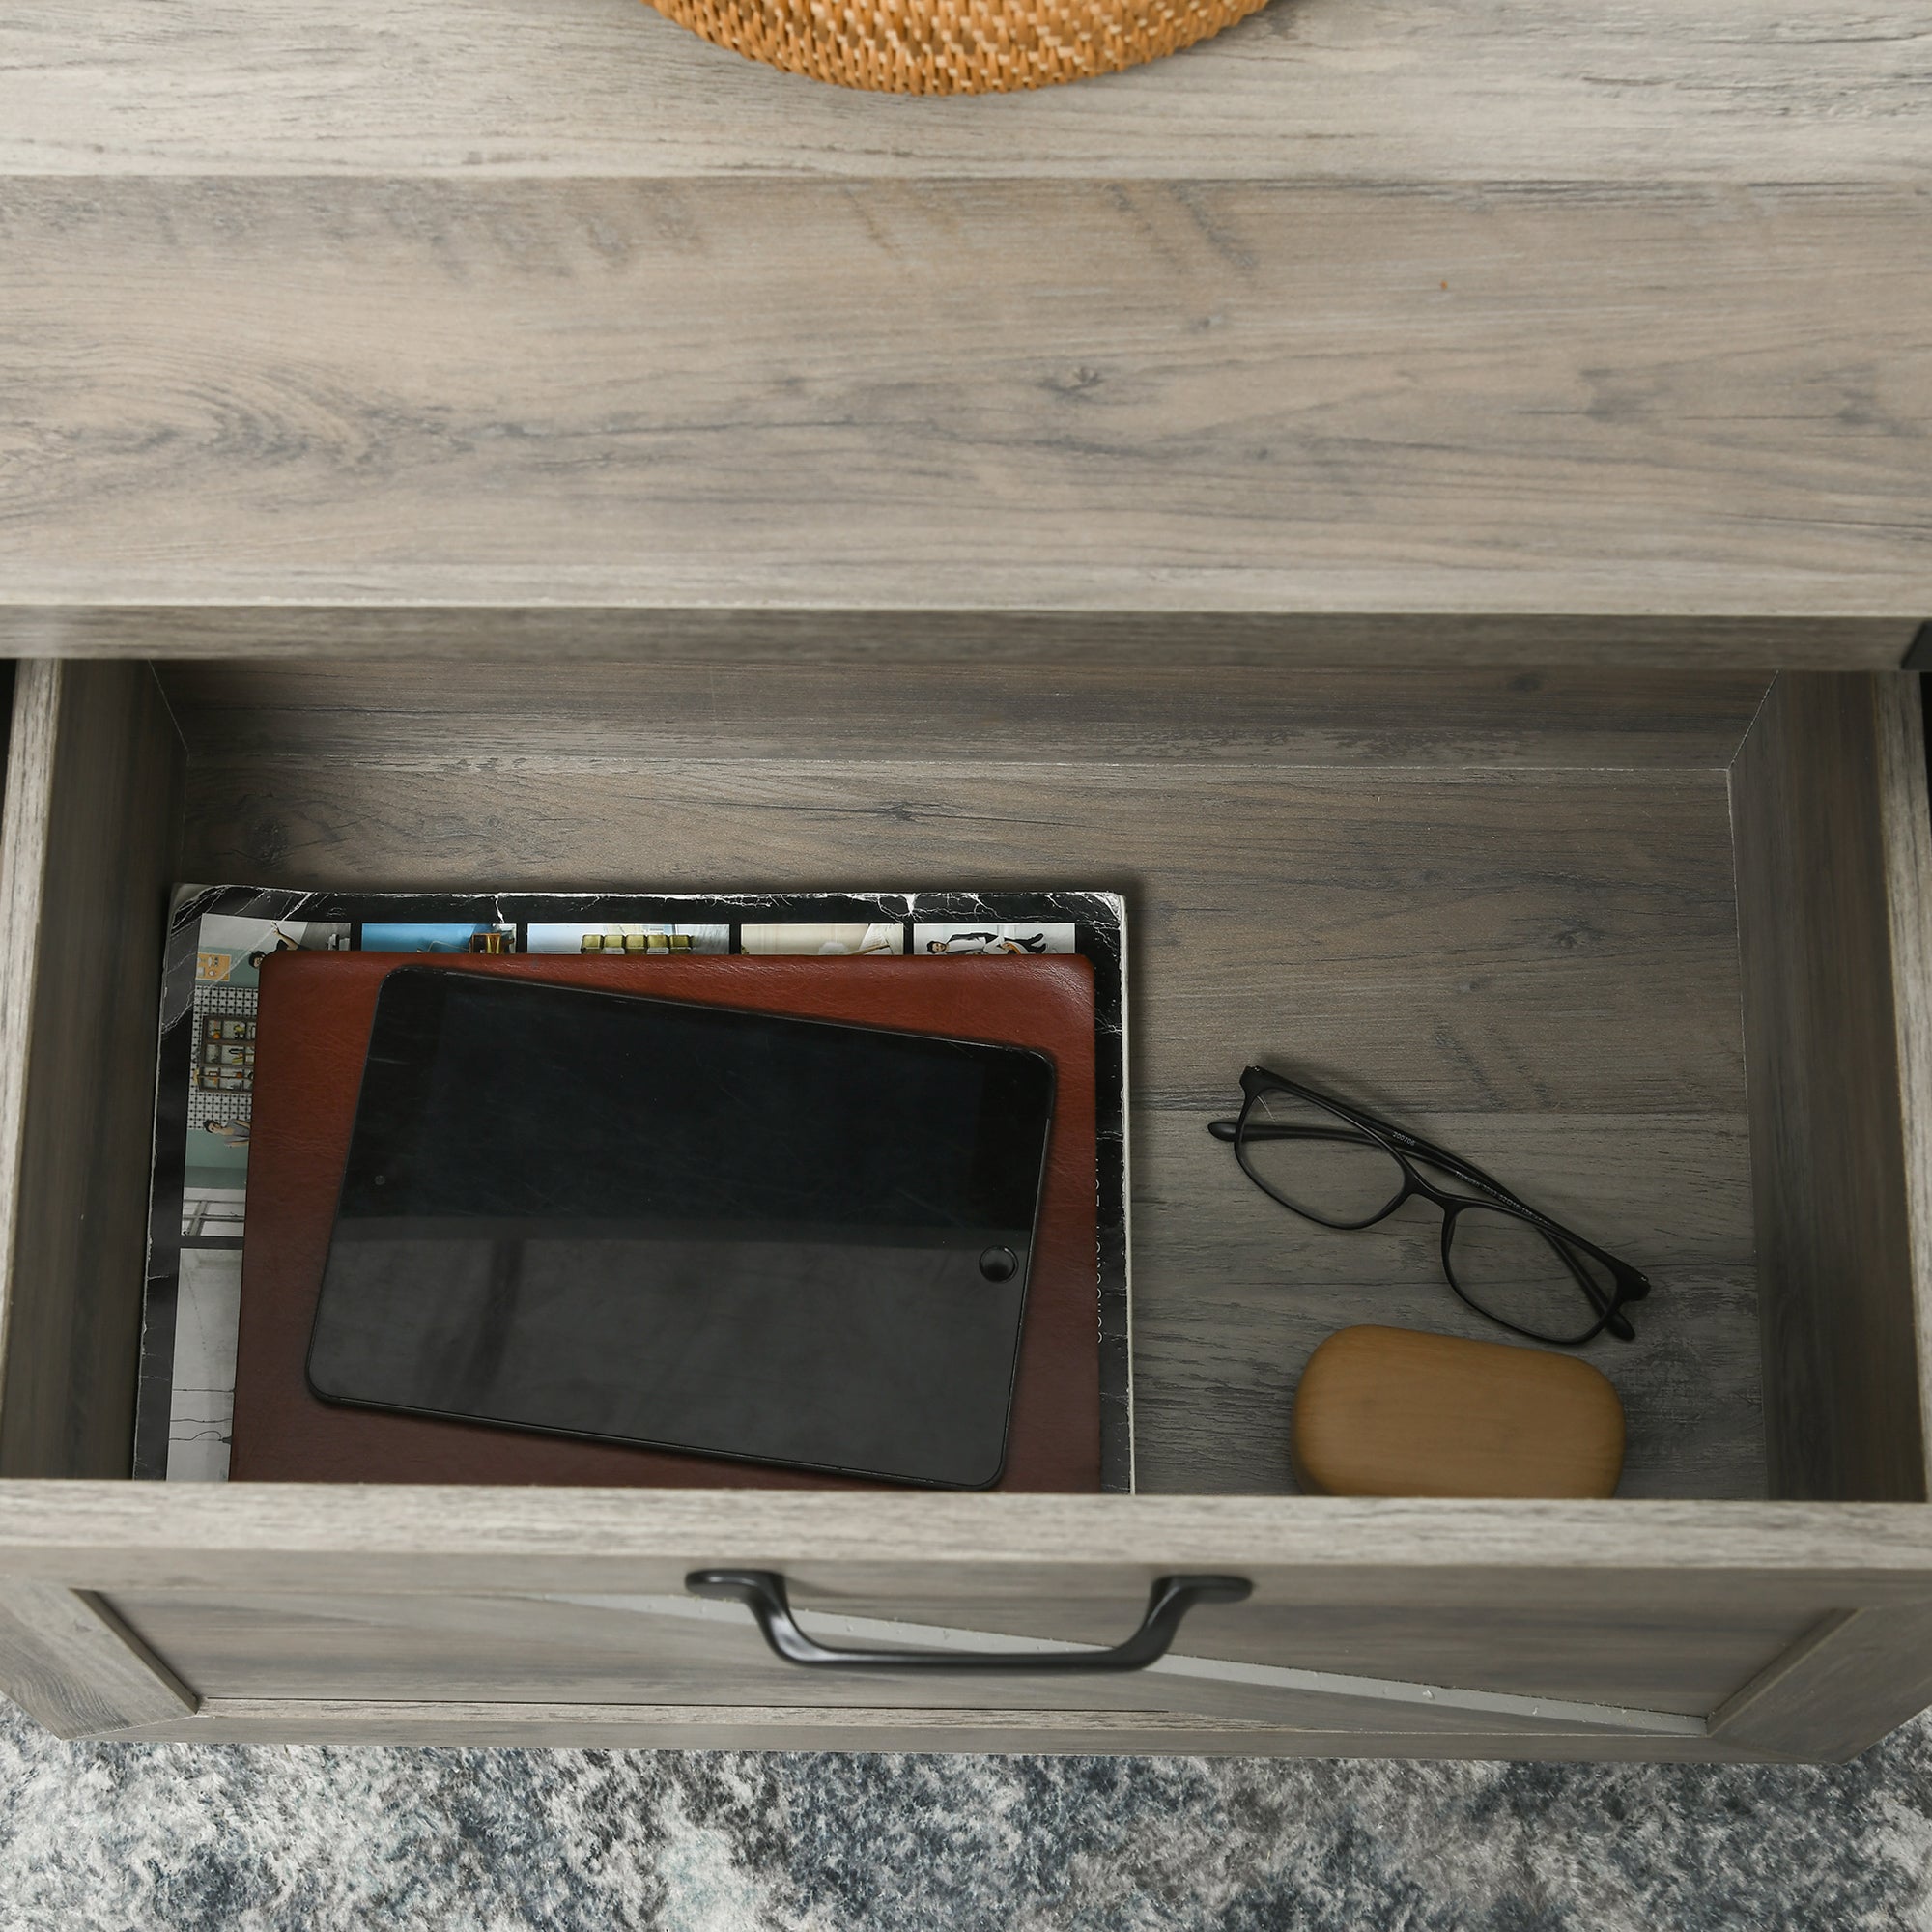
(261, 1836)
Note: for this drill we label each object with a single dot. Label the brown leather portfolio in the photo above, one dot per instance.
(314, 1018)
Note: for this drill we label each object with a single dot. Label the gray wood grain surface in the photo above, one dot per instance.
(1902, 778)
(884, 640)
(72, 1665)
(1409, 90)
(32, 738)
(969, 395)
(1544, 941)
(1688, 1603)
(538, 1726)
(890, 1554)
(342, 1643)
(1837, 1280)
(91, 830)
(1858, 1677)
(401, 716)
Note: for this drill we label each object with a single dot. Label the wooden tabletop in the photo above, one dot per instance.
(1588, 332)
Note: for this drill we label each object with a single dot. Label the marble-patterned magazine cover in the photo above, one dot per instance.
(219, 935)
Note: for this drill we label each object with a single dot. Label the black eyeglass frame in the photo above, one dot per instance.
(1405, 1148)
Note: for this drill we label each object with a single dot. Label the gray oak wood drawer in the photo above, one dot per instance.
(1655, 942)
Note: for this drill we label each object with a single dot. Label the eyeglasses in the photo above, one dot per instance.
(1335, 1165)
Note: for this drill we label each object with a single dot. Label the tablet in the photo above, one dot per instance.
(686, 1227)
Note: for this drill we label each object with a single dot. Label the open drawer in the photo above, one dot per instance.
(1655, 945)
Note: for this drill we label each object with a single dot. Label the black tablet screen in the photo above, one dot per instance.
(684, 1226)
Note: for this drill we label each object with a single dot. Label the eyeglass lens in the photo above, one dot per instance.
(1316, 1161)
(1514, 1272)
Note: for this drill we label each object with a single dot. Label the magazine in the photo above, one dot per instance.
(218, 936)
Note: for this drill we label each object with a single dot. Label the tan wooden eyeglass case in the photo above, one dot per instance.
(1398, 1412)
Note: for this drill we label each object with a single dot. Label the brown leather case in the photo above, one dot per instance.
(314, 1014)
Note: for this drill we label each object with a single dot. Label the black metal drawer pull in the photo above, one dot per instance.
(762, 1592)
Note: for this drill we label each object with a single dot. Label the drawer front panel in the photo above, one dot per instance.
(673, 1649)
(1367, 1619)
